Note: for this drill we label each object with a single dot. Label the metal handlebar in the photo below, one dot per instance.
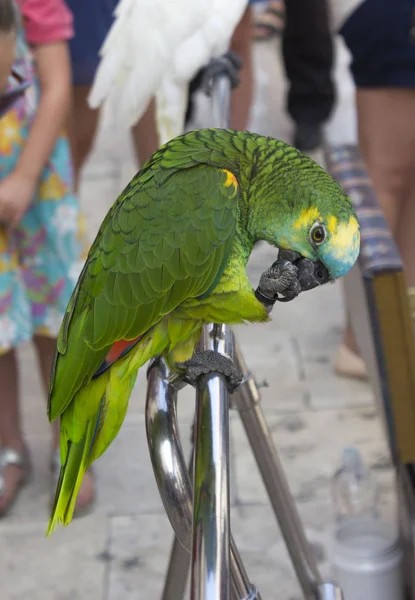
(211, 554)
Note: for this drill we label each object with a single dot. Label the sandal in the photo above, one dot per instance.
(81, 509)
(270, 23)
(12, 458)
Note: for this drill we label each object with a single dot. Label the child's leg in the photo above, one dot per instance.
(83, 125)
(10, 424)
(15, 328)
(45, 348)
(10, 427)
(241, 99)
(144, 134)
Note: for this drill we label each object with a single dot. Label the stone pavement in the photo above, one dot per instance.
(120, 551)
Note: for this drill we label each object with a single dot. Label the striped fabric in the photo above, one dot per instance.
(378, 250)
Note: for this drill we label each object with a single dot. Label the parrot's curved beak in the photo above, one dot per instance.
(310, 274)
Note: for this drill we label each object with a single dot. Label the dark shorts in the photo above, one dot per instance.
(92, 21)
(378, 35)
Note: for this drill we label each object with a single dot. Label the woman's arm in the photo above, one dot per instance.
(54, 73)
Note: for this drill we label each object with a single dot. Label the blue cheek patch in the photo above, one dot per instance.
(339, 263)
(336, 267)
(340, 252)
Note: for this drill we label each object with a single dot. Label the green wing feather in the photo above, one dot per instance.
(166, 239)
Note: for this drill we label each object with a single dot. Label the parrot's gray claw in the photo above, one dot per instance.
(229, 64)
(290, 255)
(288, 276)
(209, 361)
(280, 278)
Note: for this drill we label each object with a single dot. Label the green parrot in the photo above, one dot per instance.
(169, 257)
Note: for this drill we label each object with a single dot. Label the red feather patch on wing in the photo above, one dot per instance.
(118, 349)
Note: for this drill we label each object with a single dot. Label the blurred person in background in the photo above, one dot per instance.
(92, 21)
(243, 95)
(380, 35)
(307, 50)
(269, 23)
(42, 242)
(12, 84)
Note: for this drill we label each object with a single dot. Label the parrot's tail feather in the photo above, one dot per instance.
(70, 479)
(95, 416)
(98, 425)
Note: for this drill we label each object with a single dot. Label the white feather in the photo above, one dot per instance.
(340, 11)
(154, 48)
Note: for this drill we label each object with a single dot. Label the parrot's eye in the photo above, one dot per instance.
(318, 233)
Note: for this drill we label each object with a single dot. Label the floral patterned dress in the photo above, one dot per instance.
(41, 259)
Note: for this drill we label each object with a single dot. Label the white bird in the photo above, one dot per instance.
(340, 11)
(155, 48)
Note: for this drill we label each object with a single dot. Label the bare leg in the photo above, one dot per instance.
(145, 134)
(387, 142)
(45, 351)
(241, 99)
(270, 23)
(349, 338)
(82, 129)
(10, 424)
(348, 362)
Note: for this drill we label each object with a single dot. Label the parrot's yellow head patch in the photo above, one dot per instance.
(307, 217)
(345, 237)
(331, 239)
(343, 245)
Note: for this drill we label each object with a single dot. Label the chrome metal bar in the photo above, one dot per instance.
(329, 591)
(176, 579)
(221, 102)
(177, 572)
(221, 116)
(210, 551)
(176, 490)
(178, 569)
(175, 487)
(166, 453)
(179, 562)
(247, 400)
(242, 589)
(211, 506)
